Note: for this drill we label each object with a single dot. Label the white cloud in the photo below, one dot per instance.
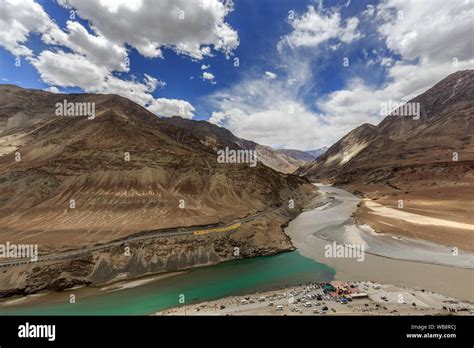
(258, 109)
(21, 18)
(316, 26)
(18, 18)
(369, 11)
(188, 27)
(270, 75)
(69, 70)
(96, 49)
(52, 89)
(386, 61)
(96, 56)
(359, 103)
(269, 112)
(74, 70)
(171, 107)
(427, 49)
(434, 30)
(277, 126)
(205, 67)
(208, 76)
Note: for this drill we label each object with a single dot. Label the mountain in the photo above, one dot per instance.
(426, 163)
(284, 161)
(329, 163)
(303, 156)
(446, 124)
(119, 177)
(318, 152)
(68, 159)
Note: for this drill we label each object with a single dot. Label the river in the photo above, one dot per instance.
(310, 232)
(237, 277)
(406, 263)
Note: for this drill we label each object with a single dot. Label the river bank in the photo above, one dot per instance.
(401, 262)
(311, 299)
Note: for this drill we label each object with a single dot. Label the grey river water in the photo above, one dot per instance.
(406, 263)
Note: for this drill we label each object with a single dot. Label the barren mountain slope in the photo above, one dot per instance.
(424, 165)
(67, 160)
(284, 161)
(318, 152)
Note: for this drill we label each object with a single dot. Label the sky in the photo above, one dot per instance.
(294, 74)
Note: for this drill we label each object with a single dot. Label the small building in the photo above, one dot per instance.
(343, 289)
(329, 288)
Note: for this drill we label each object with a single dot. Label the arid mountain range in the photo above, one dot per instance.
(285, 161)
(69, 182)
(423, 167)
(318, 152)
(125, 171)
(126, 178)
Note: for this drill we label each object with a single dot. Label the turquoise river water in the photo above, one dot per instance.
(230, 278)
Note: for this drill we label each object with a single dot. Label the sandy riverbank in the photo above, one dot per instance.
(442, 214)
(85, 291)
(403, 262)
(303, 300)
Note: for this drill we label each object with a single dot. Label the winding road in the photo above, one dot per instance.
(142, 236)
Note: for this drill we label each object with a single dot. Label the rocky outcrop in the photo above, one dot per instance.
(160, 255)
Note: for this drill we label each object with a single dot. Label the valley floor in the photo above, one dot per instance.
(413, 265)
(404, 262)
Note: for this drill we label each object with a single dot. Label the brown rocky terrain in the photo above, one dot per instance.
(262, 236)
(281, 160)
(422, 167)
(172, 178)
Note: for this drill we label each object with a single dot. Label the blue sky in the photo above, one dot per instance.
(260, 25)
(291, 88)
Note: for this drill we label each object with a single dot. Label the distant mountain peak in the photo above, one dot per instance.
(447, 126)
